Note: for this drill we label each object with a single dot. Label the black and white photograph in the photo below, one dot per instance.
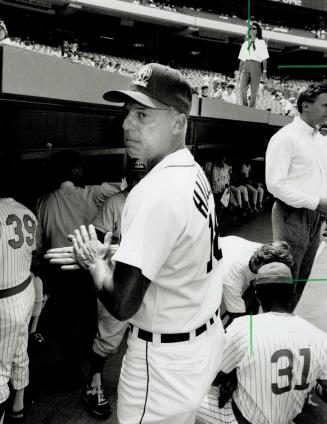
(163, 211)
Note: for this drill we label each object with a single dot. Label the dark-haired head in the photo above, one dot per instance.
(8, 176)
(255, 26)
(312, 104)
(310, 93)
(65, 166)
(275, 297)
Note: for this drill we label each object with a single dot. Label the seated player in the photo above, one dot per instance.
(242, 260)
(266, 375)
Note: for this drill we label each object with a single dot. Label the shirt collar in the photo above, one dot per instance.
(67, 184)
(182, 157)
(307, 129)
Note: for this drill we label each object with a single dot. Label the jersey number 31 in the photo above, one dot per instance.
(288, 371)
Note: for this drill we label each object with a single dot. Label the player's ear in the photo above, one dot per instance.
(179, 123)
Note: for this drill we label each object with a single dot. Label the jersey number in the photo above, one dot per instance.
(288, 371)
(214, 246)
(29, 226)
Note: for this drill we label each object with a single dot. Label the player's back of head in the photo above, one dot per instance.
(65, 166)
(8, 177)
(275, 287)
(276, 251)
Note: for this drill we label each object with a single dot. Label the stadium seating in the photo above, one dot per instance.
(272, 97)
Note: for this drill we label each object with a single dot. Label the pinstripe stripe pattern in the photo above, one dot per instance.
(16, 229)
(289, 354)
(209, 412)
(15, 314)
(17, 241)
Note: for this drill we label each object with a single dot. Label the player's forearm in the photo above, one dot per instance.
(103, 278)
(240, 66)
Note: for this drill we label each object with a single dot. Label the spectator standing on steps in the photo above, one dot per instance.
(253, 57)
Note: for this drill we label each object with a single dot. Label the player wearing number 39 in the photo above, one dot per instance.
(166, 281)
(276, 366)
(17, 241)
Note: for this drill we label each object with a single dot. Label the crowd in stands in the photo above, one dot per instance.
(317, 29)
(275, 95)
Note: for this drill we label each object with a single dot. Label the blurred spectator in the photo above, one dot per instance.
(229, 95)
(253, 187)
(204, 91)
(4, 39)
(218, 92)
(290, 108)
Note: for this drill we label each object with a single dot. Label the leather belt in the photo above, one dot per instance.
(15, 290)
(175, 337)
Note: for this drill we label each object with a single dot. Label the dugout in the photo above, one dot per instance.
(49, 104)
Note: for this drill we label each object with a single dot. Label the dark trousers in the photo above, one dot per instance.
(251, 74)
(70, 313)
(300, 227)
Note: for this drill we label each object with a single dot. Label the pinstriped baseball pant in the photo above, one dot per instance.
(15, 314)
(110, 332)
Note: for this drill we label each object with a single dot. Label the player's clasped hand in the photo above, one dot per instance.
(87, 250)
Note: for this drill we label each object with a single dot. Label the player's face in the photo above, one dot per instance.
(147, 132)
(317, 111)
(253, 32)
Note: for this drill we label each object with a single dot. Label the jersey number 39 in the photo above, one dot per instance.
(28, 224)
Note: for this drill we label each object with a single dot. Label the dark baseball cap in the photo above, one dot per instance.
(275, 272)
(158, 87)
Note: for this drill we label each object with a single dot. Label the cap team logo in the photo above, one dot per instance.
(142, 76)
(139, 165)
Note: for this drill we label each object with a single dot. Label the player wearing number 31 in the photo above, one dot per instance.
(277, 366)
(166, 281)
(17, 241)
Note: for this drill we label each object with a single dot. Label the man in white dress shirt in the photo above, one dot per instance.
(252, 54)
(296, 174)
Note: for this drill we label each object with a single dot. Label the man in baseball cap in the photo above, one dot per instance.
(166, 282)
(157, 87)
(276, 365)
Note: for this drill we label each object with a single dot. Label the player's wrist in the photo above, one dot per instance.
(102, 275)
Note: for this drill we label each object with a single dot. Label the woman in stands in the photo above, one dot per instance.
(253, 64)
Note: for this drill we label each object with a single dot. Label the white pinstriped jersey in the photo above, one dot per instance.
(17, 241)
(288, 356)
